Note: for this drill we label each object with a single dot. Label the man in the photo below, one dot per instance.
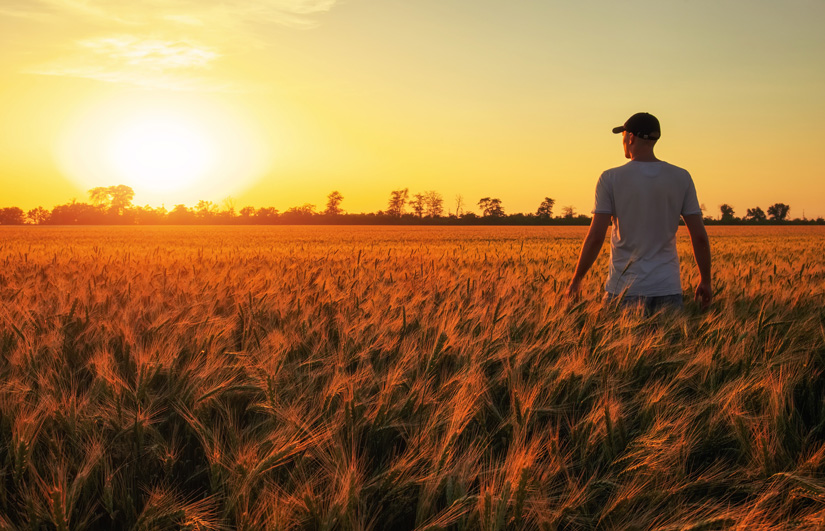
(643, 200)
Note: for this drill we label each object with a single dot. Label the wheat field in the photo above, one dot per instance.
(349, 378)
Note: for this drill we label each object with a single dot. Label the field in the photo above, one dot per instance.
(402, 378)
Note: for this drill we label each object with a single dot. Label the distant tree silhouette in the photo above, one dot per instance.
(266, 215)
(483, 204)
(491, 207)
(147, 215)
(334, 204)
(12, 216)
(181, 215)
(113, 205)
(228, 207)
(206, 207)
(116, 199)
(496, 209)
(38, 215)
(75, 213)
(99, 196)
(298, 211)
(398, 198)
(417, 205)
(459, 205)
(433, 204)
(205, 211)
(120, 198)
(545, 210)
(755, 214)
(778, 211)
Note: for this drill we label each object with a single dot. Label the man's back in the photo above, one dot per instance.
(643, 201)
(646, 200)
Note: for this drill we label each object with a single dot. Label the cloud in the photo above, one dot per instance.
(152, 54)
(132, 60)
(185, 12)
(300, 7)
(156, 43)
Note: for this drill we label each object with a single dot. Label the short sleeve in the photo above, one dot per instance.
(604, 197)
(690, 204)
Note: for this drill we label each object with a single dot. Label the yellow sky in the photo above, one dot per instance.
(292, 99)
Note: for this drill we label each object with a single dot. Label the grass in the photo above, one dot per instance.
(402, 378)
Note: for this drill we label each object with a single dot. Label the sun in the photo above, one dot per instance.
(160, 153)
(169, 151)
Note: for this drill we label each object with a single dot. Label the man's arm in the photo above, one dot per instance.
(590, 251)
(701, 251)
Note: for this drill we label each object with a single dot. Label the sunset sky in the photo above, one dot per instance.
(279, 102)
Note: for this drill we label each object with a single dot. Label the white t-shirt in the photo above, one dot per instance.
(646, 200)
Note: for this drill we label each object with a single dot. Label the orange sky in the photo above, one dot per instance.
(279, 102)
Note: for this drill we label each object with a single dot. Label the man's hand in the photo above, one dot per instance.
(573, 290)
(701, 251)
(704, 294)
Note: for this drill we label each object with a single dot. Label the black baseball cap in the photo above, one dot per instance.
(643, 125)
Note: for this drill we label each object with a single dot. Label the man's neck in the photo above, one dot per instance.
(644, 157)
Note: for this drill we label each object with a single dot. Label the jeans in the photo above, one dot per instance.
(650, 304)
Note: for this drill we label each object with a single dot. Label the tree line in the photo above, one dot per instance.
(113, 205)
(777, 213)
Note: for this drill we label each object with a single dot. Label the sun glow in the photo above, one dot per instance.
(161, 154)
(167, 151)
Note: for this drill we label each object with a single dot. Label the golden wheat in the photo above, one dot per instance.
(402, 378)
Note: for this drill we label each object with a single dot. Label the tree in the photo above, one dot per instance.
(545, 210)
(755, 214)
(483, 204)
(778, 211)
(459, 205)
(334, 204)
(229, 206)
(99, 196)
(398, 198)
(181, 215)
(727, 213)
(12, 216)
(121, 198)
(491, 207)
(266, 215)
(149, 216)
(496, 210)
(38, 215)
(568, 212)
(206, 210)
(116, 199)
(304, 210)
(75, 213)
(247, 212)
(417, 205)
(434, 204)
